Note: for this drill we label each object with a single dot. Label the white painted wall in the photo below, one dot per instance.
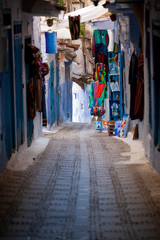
(80, 104)
(150, 150)
(77, 65)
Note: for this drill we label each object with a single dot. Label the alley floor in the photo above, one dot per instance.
(82, 185)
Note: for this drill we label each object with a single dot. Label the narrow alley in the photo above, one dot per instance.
(83, 186)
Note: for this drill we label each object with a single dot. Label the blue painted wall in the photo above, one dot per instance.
(134, 31)
(57, 93)
(80, 103)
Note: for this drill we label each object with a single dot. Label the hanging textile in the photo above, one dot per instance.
(100, 42)
(31, 101)
(139, 100)
(133, 83)
(102, 58)
(98, 88)
(97, 94)
(38, 93)
(44, 114)
(51, 42)
(74, 26)
(99, 73)
(115, 48)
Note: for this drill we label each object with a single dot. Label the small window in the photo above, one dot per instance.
(6, 17)
(75, 95)
(17, 27)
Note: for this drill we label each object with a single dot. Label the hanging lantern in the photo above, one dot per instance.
(113, 17)
(49, 22)
(51, 42)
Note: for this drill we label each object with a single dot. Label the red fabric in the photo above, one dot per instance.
(98, 90)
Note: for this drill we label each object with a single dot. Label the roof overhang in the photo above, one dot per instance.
(117, 7)
(129, 1)
(42, 7)
(121, 6)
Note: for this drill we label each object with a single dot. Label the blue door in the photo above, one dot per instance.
(18, 83)
(57, 93)
(156, 81)
(30, 125)
(51, 102)
(7, 129)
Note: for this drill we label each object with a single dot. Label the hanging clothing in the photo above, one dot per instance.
(44, 114)
(102, 58)
(98, 88)
(97, 94)
(99, 76)
(139, 100)
(74, 26)
(31, 101)
(133, 83)
(38, 93)
(100, 41)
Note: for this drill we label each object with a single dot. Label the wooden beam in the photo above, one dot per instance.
(28, 5)
(41, 7)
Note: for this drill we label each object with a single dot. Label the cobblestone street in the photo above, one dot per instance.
(83, 186)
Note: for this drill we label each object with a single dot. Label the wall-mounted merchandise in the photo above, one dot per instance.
(124, 126)
(114, 86)
(114, 109)
(98, 89)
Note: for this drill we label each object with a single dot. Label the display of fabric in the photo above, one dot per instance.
(102, 58)
(100, 41)
(97, 111)
(133, 83)
(45, 69)
(97, 94)
(44, 114)
(99, 73)
(74, 26)
(98, 88)
(139, 100)
(36, 88)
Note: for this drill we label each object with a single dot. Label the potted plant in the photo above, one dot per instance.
(50, 21)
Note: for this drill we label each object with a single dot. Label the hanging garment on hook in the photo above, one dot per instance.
(74, 26)
(100, 41)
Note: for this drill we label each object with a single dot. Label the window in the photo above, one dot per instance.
(75, 95)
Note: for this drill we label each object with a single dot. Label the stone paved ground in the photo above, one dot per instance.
(83, 186)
